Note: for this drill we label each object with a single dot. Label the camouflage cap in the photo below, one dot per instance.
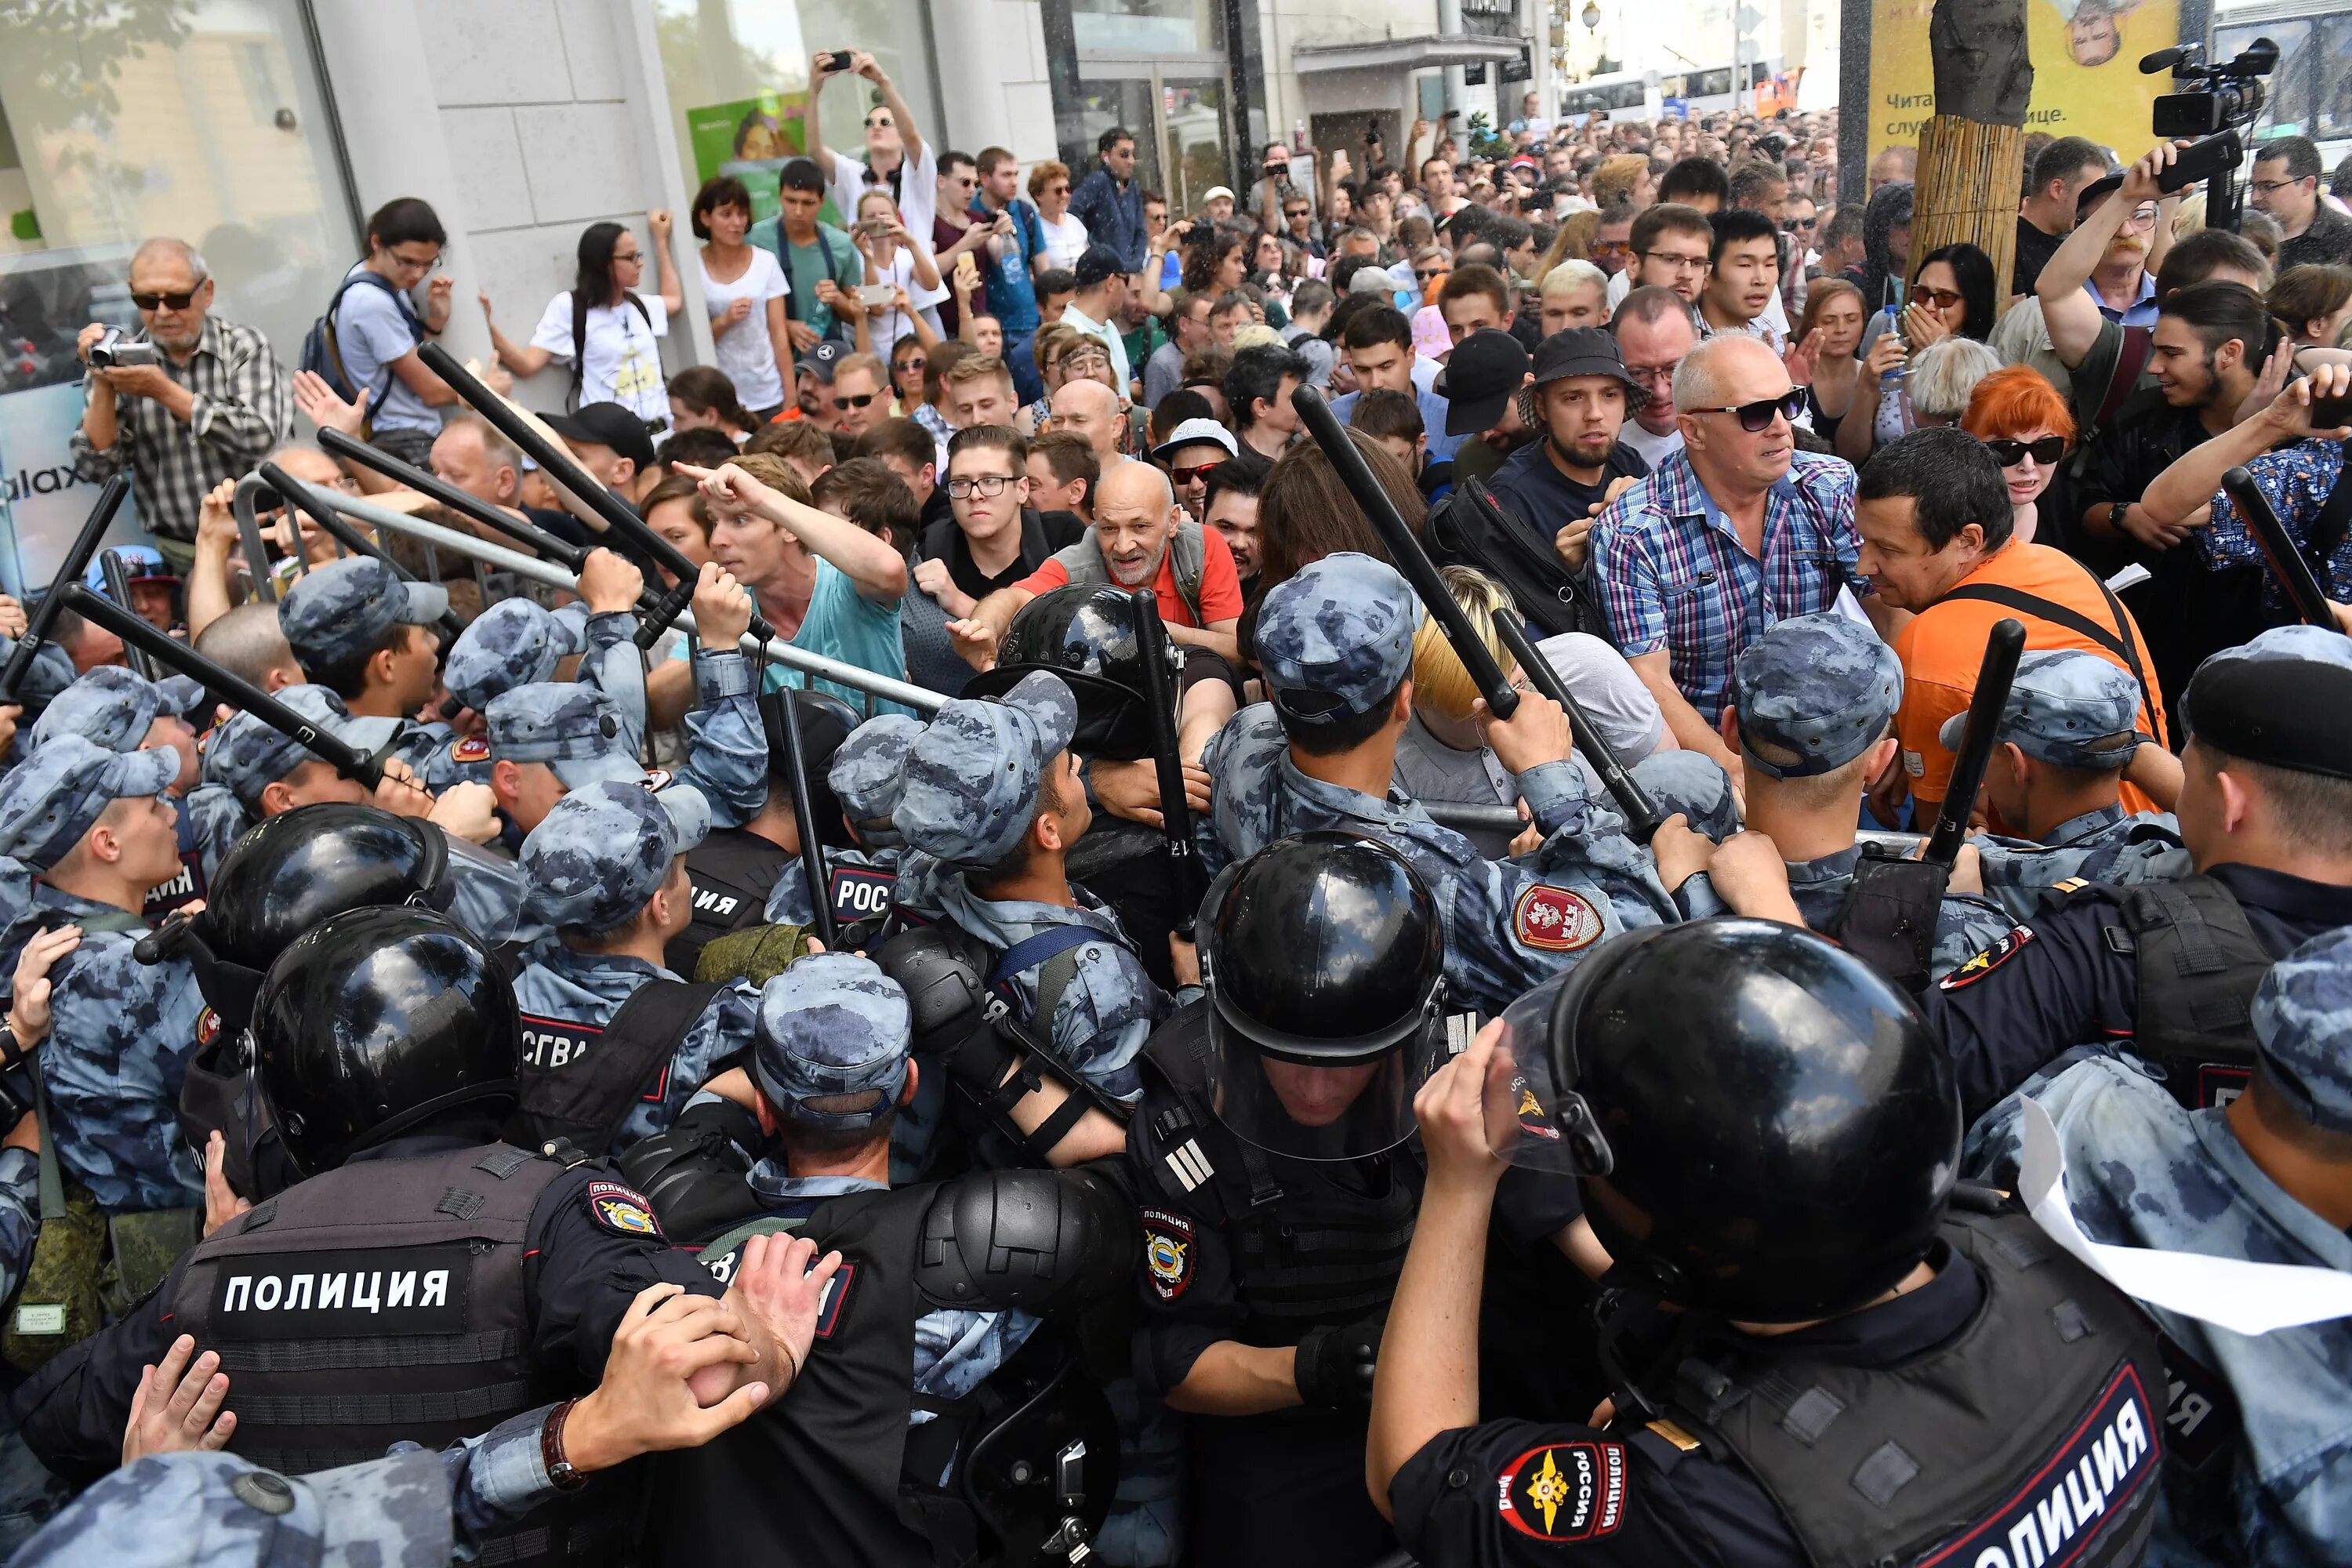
(223, 1511)
(2302, 1029)
(247, 756)
(604, 849)
(2324, 645)
(971, 776)
(1337, 638)
(573, 729)
(869, 767)
(513, 642)
(1814, 693)
(1695, 784)
(343, 608)
(832, 1028)
(2066, 708)
(51, 798)
(112, 707)
(45, 679)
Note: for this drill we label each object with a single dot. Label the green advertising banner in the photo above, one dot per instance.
(750, 139)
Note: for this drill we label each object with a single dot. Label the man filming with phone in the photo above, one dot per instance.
(188, 401)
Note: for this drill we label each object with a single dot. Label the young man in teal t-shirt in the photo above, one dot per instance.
(811, 252)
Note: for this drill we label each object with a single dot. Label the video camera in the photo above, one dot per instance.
(2233, 95)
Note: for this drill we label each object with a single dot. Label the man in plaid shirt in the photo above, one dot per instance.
(211, 408)
(1734, 531)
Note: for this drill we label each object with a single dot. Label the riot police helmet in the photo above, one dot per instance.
(1325, 967)
(379, 1021)
(1766, 1127)
(1088, 634)
(290, 872)
(826, 721)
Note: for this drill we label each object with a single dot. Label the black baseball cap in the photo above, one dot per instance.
(606, 424)
(1482, 374)
(1098, 265)
(2094, 193)
(824, 358)
(1580, 351)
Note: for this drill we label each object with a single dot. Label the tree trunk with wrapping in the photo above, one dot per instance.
(1970, 153)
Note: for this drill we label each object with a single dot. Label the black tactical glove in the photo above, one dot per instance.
(1334, 1368)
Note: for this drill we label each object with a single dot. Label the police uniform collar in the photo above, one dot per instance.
(1341, 799)
(552, 954)
(1916, 1321)
(453, 1133)
(769, 1182)
(1827, 869)
(2253, 1188)
(2095, 821)
(2284, 893)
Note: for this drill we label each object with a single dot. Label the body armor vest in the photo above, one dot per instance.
(2199, 962)
(1888, 916)
(2031, 1437)
(580, 1082)
(1310, 1250)
(731, 871)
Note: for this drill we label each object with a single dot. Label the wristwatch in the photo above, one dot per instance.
(2115, 511)
(561, 1474)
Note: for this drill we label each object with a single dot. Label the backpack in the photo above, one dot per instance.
(580, 341)
(1471, 527)
(323, 357)
(1189, 551)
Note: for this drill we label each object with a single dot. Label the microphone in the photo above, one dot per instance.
(2165, 59)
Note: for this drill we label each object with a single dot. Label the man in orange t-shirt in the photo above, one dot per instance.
(1934, 518)
(1135, 537)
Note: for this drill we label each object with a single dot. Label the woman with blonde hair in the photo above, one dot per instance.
(1574, 241)
(1441, 756)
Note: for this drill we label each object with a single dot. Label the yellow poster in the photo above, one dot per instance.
(2087, 79)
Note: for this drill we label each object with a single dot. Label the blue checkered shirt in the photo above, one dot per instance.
(1672, 573)
(2297, 480)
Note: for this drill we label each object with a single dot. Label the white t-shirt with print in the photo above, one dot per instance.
(622, 361)
(745, 352)
(1065, 241)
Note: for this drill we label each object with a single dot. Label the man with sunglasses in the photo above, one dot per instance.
(211, 405)
(1734, 531)
(895, 153)
(1192, 450)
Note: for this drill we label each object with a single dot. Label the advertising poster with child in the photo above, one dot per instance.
(750, 139)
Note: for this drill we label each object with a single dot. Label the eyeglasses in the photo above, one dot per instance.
(2267, 188)
(620, 256)
(877, 122)
(1295, 212)
(2142, 217)
(1679, 263)
(2009, 453)
(433, 265)
(169, 302)
(1198, 474)
(1941, 298)
(1798, 225)
(860, 400)
(1651, 374)
(989, 485)
(915, 364)
(1425, 274)
(1757, 418)
(1611, 247)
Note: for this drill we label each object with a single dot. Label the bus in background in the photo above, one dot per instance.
(2310, 93)
(1619, 95)
(1721, 90)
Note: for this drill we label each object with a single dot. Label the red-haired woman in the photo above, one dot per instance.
(2020, 417)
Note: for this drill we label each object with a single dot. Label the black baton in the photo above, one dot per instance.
(617, 514)
(472, 508)
(1411, 559)
(2288, 568)
(1993, 678)
(69, 570)
(352, 541)
(118, 588)
(820, 885)
(1175, 811)
(324, 744)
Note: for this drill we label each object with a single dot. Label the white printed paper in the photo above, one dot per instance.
(2233, 1293)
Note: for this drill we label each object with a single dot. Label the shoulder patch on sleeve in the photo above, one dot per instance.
(1554, 920)
(470, 749)
(1990, 959)
(622, 1210)
(1564, 1491)
(1167, 1252)
(207, 1027)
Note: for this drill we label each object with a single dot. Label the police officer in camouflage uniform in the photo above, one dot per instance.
(517, 642)
(2259, 1450)
(1334, 644)
(863, 1463)
(2168, 969)
(613, 1042)
(868, 774)
(123, 711)
(362, 632)
(858, 882)
(99, 828)
(1815, 700)
(51, 672)
(2055, 780)
(991, 792)
(550, 737)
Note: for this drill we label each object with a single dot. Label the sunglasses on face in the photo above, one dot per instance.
(2009, 453)
(878, 123)
(168, 302)
(1940, 299)
(1198, 474)
(1426, 273)
(1798, 224)
(1757, 418)
(860, 400)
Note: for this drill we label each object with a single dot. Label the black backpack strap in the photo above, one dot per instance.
(629, 1064)
(2334, 522)
(2130, 360)
(579, 351)
(2119, 641)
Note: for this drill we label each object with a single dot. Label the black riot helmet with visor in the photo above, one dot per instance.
(1324, 966)
(1765, 1127)
(1088, 634)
